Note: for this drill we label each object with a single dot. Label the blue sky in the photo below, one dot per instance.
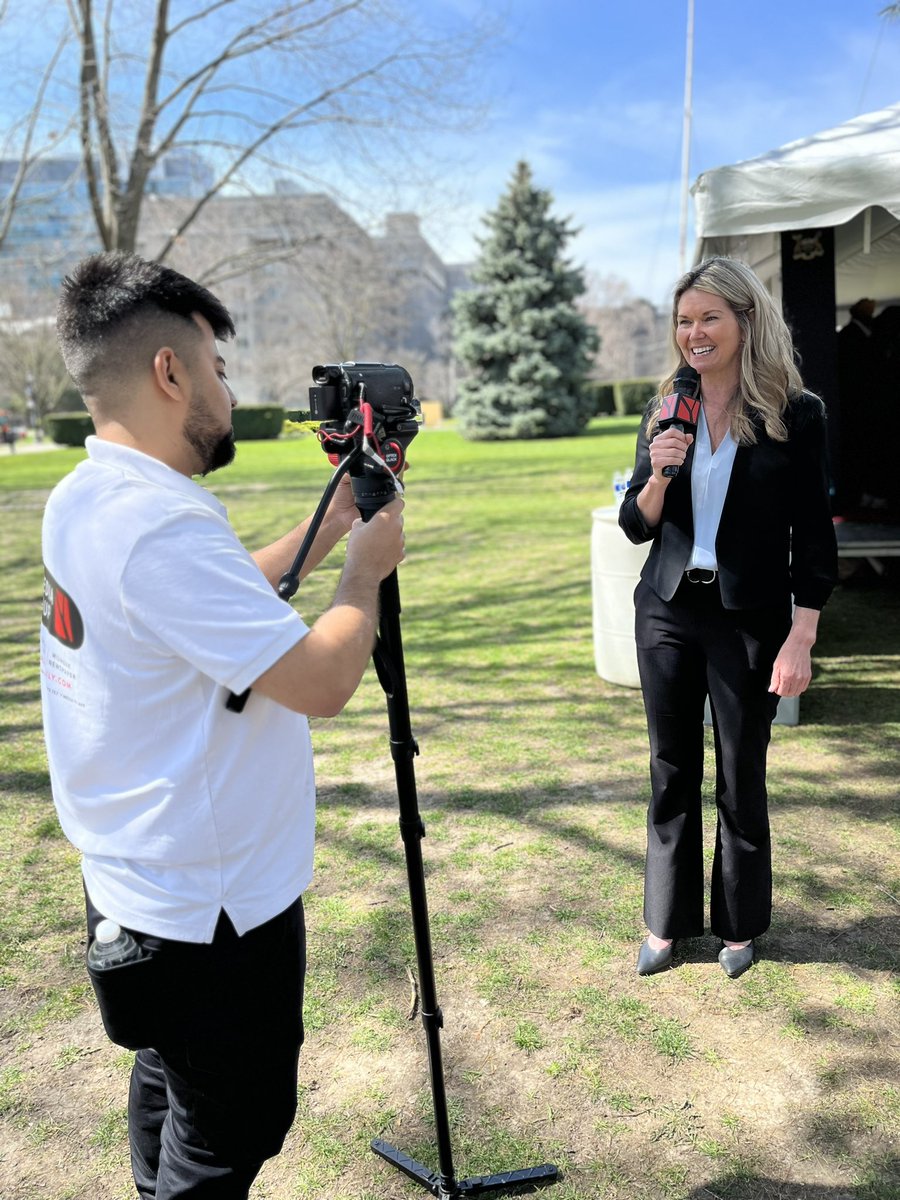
(590, 93)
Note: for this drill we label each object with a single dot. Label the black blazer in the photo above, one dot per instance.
(775, 539)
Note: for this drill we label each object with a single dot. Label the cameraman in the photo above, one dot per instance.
(195, 823)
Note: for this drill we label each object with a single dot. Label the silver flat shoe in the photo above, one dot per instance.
(736, 962)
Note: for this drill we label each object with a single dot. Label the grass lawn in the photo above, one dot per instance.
(532, 784)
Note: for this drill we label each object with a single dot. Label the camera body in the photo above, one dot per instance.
(359, 403)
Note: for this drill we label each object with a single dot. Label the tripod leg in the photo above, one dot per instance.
(414, 1170)
(525, 1179)
(392, 675)
(403, 750)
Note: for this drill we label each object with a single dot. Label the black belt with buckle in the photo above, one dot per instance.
(700, 575)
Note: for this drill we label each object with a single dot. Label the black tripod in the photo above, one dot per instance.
(388, 658)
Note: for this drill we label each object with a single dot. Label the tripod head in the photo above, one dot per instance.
(368, 415)
(369, 409)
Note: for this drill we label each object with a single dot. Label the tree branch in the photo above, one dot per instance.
(143, 156)
(92, 108)
(240, 46)
(232, 76)
(270, 132)
(254, 258)
(27, 156)
(198, 16)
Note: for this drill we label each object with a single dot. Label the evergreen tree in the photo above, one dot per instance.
(526, 346)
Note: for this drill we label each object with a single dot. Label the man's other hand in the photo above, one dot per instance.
(376, 546)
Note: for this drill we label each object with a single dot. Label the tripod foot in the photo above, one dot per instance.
(415, 1170)
(526, 1179)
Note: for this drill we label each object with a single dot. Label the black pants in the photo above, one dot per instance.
(688, 648)
(218, 1029)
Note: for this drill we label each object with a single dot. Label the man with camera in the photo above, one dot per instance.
(195, 822)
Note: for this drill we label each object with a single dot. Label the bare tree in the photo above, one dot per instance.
(296, 271)
(26, 138)
(33, 379)
(606, 291)
(304, 84)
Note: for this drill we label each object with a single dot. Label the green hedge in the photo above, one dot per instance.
(623, 398)
(250, 424)
(257, 422)
(68, 428)
(602, 398)
(631, 395)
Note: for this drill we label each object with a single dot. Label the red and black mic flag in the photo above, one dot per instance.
(682, 406)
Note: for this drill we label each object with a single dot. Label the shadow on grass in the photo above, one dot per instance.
(872, 943)
(612, 427)
(884, 1185)
(844, 791)
(852, 704)
(33, 784)
(30, 696)
(11, 732)
(360, 846)
(862, 618)
(797, 935)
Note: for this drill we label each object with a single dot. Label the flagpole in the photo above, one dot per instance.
(686, 137)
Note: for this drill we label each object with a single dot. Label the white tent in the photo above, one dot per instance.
(847, 178)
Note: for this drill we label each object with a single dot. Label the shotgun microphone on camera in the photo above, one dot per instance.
(681, 409)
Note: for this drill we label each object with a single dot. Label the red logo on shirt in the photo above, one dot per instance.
(60, 614)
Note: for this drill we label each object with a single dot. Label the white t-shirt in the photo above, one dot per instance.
(153, 612)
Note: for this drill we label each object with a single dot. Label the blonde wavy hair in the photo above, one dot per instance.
(768, 373)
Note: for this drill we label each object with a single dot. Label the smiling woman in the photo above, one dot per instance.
(746, 514)
(709, 336)
(726, 326)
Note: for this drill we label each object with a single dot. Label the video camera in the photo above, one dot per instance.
(369, 408)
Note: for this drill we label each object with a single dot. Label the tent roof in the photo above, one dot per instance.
(818, 181)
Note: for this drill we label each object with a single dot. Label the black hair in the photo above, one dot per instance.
(115, 310)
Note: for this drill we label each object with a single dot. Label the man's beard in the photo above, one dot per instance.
(214, 448)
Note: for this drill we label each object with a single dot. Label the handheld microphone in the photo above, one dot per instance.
(681, 409)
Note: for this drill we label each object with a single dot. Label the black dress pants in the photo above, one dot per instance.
(688, 648)
(218, 1029)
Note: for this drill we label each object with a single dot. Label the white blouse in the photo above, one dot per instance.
(710, 475)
